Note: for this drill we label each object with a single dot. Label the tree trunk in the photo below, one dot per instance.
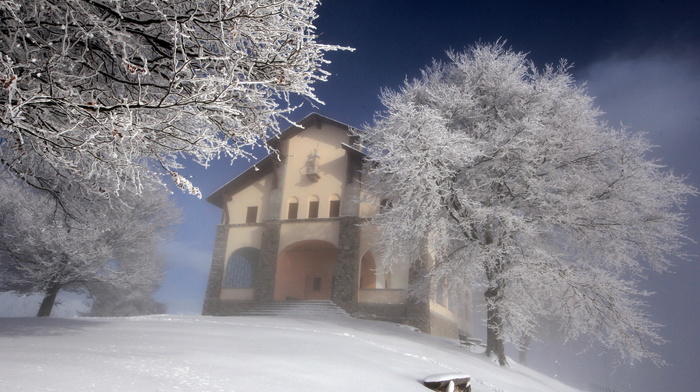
(522, 356)
(494, 344)
(522, 351)
(49, 300)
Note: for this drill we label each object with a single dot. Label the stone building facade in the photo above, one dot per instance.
(293, 228)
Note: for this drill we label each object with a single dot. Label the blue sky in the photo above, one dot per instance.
(641, 60)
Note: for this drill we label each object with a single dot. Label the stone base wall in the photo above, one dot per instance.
(396, 313)
(440, 326)
(345, 271)
(216, 273)
(345, 283)
(230, 308)
(418, 309)
(267, 267)
(418, 315)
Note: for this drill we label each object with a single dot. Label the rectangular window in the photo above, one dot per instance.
(335, 209)
(317, 284)
(313, 209)
(293, 210)
(252, 215)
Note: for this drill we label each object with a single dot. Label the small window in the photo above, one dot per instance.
(317, 284)
(313, 209)
(252, 215)
(334, 209)
(293, 210)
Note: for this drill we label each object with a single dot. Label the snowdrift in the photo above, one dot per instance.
(197, 353)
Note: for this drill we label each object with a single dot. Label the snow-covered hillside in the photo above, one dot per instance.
(197, 353)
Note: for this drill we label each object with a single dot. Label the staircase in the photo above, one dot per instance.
(297, 309)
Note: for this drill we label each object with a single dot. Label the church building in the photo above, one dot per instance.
(294, 229)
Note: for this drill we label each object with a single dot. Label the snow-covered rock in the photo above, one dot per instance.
(443, 380)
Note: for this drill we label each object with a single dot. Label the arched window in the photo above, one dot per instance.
(293, 208)
(313, 207)
(334, 207)
(240, 268)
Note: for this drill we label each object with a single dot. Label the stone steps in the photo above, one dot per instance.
(296, 308)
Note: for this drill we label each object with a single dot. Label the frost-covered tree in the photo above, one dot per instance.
(92, 89)
(111, 242)
(507, 177)
(110, 301)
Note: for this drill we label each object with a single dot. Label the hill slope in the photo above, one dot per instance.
(197, 353)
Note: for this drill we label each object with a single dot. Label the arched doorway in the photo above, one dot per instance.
(372, 277)
(305, 271)
(368, 271)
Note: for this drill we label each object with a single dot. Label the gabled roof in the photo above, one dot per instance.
(265, 165)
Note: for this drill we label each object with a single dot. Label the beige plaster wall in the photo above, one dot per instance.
(460, 323)
(368, 207)
(243, 236)
(240, 237)
(331, 168)
(237, 294)
(442, 311)
(379, 296)
(257, 194)
(367, 235)
(309, 229)
(397, 276)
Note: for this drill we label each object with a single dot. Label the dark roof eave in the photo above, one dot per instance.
(253, 173)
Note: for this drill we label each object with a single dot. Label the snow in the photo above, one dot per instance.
(445, 377)
(200, 353)
(447, 381)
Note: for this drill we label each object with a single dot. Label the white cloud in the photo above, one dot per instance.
(657, 93)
